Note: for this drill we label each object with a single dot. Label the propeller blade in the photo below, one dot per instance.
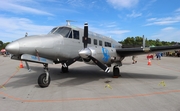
(85, 38)
(71, 61)
(102, 66)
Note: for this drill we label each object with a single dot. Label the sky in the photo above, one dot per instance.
(118, 19)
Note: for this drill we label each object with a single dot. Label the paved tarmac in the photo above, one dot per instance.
(142, 87)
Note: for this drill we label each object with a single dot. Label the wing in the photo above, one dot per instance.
(139, 51)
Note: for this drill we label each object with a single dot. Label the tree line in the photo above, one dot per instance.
(3, 45)
(138, 42)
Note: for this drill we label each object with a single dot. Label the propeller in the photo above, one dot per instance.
(102, 66)
(86, 53)
(85, 38)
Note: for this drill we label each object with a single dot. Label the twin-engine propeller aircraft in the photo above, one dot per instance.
(68, 44)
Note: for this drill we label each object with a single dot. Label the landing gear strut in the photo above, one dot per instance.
(44, 79)
(116, 72)
(64, 68)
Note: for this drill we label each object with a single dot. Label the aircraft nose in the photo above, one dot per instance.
(13, 48)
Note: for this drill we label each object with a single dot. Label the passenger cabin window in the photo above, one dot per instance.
(89, 40)
(107, 44)
(100, 43)
(95, 41)
(76, 34)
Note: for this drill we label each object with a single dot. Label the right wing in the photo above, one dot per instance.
(138, 51)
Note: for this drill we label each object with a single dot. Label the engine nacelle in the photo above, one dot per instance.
(105, 55)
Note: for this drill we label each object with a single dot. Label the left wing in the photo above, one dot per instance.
(138, 51)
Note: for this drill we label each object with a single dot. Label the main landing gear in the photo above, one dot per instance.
(44, 79)
(64, 68)
(116, 72)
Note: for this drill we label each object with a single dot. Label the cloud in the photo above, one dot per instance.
(134, 14)
(17, 8)
(163, 21)
(123, 3)
(168, 29)
(175, 18)
(14, 28)
(116, 34)
(167, 34)
(109, 24)
(151, 19)
(177, 10)
(148, 4)
(75, 3)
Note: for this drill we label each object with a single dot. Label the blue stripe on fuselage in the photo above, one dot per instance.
(105, 54)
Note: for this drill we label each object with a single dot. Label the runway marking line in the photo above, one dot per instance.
(3, 85)
(89, 99)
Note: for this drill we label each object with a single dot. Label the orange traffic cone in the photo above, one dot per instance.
(21, 65)
(149, 62)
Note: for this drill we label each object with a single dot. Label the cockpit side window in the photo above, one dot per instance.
(70, 35)
(76, 34)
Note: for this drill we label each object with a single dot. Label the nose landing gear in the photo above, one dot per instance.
(44, 79)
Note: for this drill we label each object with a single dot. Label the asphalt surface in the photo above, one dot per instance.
(142, 87)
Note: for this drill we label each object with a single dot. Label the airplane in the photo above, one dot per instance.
(68, 44)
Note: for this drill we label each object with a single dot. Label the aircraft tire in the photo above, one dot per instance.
(64, 69)
(42, 82)
(116, 71)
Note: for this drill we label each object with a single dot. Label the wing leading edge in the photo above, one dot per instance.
(138, 51)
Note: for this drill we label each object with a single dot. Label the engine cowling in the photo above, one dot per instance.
(102, 54)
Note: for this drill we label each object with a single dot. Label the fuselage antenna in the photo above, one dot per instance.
(68, 22)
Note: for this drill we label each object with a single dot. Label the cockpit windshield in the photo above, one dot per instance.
(51, 32)
(64, 31)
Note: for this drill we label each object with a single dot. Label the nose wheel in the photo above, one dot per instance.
(44, 79)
